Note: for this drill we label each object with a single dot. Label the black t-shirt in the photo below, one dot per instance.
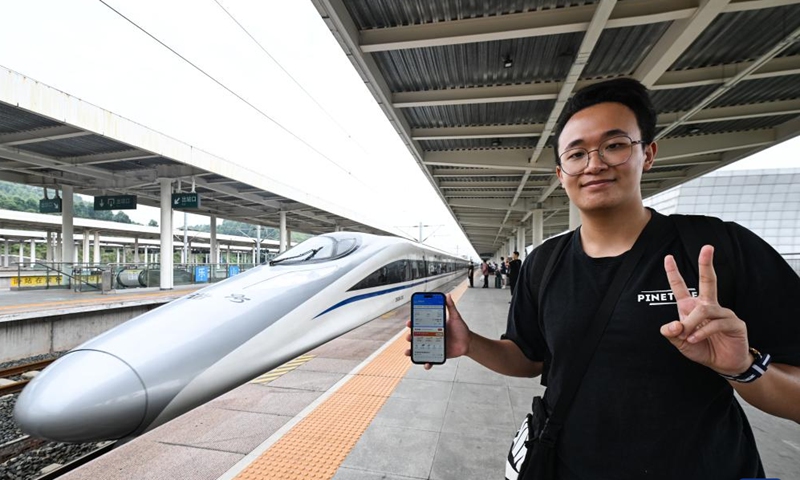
(643, 410)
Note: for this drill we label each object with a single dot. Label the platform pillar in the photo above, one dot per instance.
(85, 245)
(96, 252)
(213, 247)
(48, 252)
(136, 258)
(166, 234)
(67, 228)
(6, 261)
(284, 236)
(521, 243)
(33, 250)
(21, 252)
(537, 228)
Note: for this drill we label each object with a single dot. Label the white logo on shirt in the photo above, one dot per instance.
(660, 297)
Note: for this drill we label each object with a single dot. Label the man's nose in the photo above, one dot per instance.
(596, 162)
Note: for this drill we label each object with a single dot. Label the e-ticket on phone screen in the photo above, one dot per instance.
(428, 327)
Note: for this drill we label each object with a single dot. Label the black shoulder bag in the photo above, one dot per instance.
(533, 452)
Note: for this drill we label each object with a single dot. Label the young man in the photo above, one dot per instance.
(654, 402)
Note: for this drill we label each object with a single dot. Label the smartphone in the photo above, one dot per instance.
(428, 340)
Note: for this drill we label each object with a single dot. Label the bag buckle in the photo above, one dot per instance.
(548, 436)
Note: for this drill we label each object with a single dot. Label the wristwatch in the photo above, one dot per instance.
(755, 371)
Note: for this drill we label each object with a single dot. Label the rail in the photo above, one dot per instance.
(18, 385)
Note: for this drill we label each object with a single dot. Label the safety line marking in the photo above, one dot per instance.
(282, 370)
(299, 451)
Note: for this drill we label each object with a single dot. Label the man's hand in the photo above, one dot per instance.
(456, 331)
(706, 332)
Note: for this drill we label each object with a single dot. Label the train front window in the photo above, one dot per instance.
(317, 249)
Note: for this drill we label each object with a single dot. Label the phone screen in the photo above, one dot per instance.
(427, 328)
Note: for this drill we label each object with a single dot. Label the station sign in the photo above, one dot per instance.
(201, 274)
(50, 205)
(115, 202)
(185, 200)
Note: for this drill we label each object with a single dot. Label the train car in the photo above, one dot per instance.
(159, 365)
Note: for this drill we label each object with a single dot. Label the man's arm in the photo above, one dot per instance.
(714, 336)
(502, 356)
(777, 392)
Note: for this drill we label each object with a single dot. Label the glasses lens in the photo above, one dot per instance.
(573, 161)
(616, 151)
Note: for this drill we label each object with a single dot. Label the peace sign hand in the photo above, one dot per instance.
(706, 332)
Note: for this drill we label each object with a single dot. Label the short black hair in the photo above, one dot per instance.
(627, 91)
(516, 253)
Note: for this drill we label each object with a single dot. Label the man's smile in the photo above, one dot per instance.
(597, 183)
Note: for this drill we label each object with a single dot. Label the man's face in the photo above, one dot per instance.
(601, 187)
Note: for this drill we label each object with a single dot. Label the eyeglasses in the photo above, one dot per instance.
(614, 151)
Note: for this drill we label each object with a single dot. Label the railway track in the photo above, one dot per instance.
(18, 385)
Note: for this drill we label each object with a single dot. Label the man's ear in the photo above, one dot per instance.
(559, 175)
(649, 156)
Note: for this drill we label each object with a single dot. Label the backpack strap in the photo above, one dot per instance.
(543, 263)
(698, 230)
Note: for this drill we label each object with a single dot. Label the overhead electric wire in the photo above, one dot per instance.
(313, 99)
(264, 114)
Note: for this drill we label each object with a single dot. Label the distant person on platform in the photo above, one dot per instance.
(513, 271)
(485, 271)
(470, 273)
(682, 347)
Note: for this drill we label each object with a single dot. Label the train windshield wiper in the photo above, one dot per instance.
(308, 254)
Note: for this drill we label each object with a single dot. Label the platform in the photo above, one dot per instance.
(356, 409)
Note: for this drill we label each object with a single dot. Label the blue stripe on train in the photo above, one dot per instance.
(375, 294)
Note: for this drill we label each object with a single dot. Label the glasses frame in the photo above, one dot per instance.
(599, 154)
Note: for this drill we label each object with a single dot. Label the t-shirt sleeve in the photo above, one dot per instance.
(522, 326)
(768, 297)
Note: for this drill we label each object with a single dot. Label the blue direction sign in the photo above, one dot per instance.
(48, 205)
(185, 200)
(201, 274)
(115, 202)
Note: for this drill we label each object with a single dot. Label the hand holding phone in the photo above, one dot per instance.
(428, 339)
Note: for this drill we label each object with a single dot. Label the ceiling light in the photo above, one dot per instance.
(507, 62)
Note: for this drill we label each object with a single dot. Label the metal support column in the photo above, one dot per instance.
(537, 228)
(96, 253)
(48, 255)
(166, 234)
(85, 244)
(67, 227)
(283, 237)
(213, 250)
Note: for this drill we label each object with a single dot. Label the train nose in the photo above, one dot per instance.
(86, 395)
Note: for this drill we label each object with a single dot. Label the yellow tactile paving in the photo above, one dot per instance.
(315, 447)
(282, 370)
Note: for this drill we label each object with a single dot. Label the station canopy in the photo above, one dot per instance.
(51, 139)
(474, 88)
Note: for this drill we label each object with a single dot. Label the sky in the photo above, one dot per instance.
(299, 113)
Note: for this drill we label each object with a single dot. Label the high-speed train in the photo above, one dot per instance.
(159, 365)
